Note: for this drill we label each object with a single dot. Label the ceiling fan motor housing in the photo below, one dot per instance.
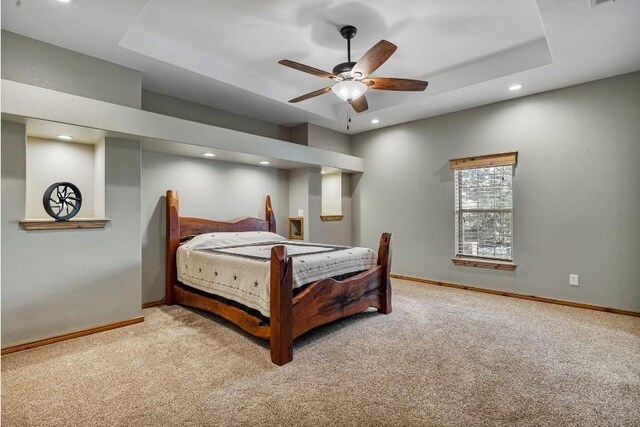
(344, 67)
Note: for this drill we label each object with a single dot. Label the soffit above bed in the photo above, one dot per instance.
(50, 113)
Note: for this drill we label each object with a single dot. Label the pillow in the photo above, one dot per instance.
(232, 238)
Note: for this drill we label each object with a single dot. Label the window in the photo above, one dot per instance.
(484, 210)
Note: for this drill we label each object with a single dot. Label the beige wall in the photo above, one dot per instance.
(328, 139)
(60, 281)
(175, 107)
(576, 191)
(319, 137)
(99, 153)
(35, 63)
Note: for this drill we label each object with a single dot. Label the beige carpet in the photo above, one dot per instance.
(443, 357)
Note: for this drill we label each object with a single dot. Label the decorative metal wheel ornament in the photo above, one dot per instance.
(62, 201)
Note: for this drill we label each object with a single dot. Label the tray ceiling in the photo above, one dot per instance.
(239, 43)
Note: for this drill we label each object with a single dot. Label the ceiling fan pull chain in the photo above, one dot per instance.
(348, 115)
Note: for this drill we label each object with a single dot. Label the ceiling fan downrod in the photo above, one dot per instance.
(347, 32)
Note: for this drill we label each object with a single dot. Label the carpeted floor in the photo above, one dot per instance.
(443, 357)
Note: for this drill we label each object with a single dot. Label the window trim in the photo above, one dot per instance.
(484, 161)
(484, 263)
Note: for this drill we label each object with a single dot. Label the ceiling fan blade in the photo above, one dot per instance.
(311, 94)
(374, 58)
(360, 104)
(390, 83)
(306, 69)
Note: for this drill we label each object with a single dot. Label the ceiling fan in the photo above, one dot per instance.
(352, 78)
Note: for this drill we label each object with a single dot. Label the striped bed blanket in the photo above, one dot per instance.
(236, 265)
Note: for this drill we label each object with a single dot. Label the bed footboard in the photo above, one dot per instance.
(384, 262)
(281, 307)
(324, 301)
(173, 241)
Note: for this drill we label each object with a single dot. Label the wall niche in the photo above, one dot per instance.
(331, 197)
(81, 163)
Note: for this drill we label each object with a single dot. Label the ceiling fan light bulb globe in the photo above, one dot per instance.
(349, 90)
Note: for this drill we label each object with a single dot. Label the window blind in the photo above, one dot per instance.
(484, 212)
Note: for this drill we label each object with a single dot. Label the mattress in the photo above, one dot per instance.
(236, 266)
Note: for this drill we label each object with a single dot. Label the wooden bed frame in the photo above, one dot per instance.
(320, 302)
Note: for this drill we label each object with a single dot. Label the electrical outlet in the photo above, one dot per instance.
(573, 280)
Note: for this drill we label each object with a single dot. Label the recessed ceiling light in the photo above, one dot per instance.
(208, 154)
(65, 137)
(63, 1)
(264, 162)
(375, 121)
(515, 87)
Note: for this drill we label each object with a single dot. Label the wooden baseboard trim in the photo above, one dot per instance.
(520, 296)
(70, 335)
(153, 303)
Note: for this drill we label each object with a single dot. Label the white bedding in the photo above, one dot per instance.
(236, 265)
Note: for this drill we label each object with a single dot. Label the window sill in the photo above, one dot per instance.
(331, 217)
(485, 263)
(74, 224)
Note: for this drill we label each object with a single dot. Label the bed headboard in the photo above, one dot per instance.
(185, 226)
(181, 227)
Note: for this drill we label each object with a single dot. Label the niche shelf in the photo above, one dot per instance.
(331, 217)
(73, 224)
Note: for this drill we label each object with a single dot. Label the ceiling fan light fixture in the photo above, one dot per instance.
(349, 90)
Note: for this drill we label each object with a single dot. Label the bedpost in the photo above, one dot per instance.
(384, 260)
(281, 307)
(173, 241)
(269, 216)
